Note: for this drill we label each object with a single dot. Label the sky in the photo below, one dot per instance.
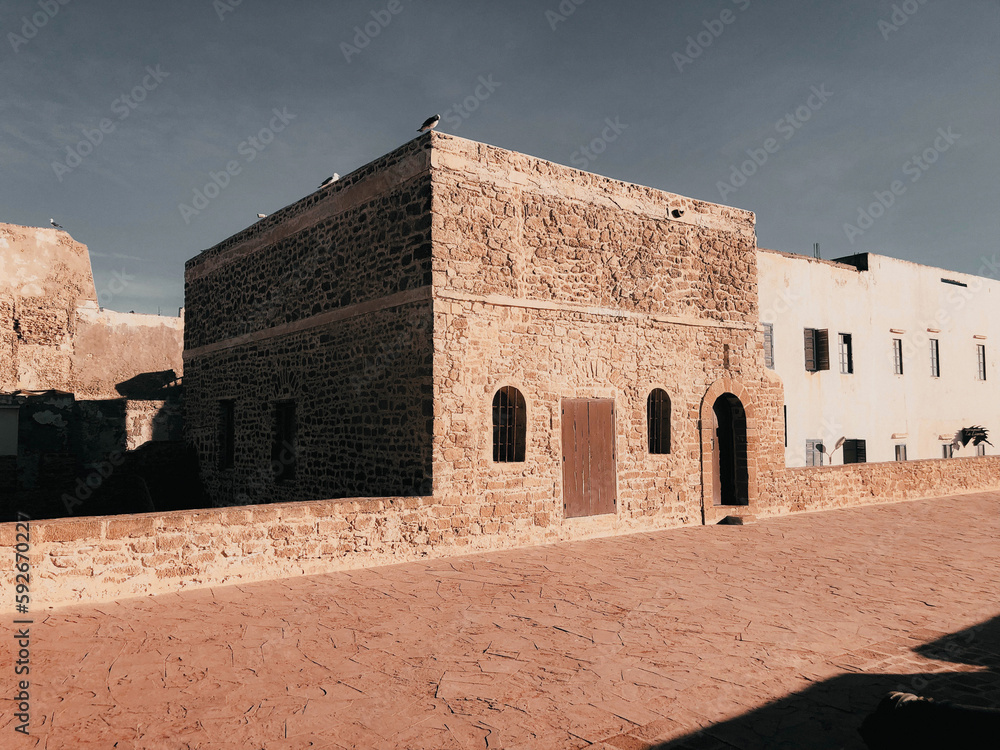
(863, 126)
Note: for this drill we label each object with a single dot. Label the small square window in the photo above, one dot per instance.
(947, 450)
(900, 452)
(981, 449)
(855, 452)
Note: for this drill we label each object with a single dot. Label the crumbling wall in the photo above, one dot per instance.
(53, 336)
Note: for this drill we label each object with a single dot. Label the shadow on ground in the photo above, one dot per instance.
(827, 716)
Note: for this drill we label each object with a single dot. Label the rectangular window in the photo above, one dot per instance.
(785, 414)
(897, 356)
(855, 452)
(769, 345)
(814, 452)
(227, 434)
(8, 431)
(817, 348)
(284, 449)
(900, 452)
(981, 357)
(981, 449)
(935, 359)
(846, 354)
(947, 450)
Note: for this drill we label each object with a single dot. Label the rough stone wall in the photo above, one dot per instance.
(326, 303)
(153, 420)
(44, 276)
(362, 389)
(364, 238)
(565, 284)
(52, 334)
(97, 559)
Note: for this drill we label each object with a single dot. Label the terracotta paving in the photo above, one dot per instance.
(780, 634)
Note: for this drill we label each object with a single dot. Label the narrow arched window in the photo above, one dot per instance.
(509, 425)
(658, 421)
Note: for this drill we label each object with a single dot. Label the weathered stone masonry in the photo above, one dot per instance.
(393, 306)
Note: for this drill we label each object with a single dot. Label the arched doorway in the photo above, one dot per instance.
(731, 485)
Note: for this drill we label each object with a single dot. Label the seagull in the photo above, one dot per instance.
(430, 123)
(57, 226)
(330, 180)
(261, 216)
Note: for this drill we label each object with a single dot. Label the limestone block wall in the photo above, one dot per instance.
(364, 238)
(326, 303)
(566, 284)
(512, 225)
(362, 389)
(97, 559)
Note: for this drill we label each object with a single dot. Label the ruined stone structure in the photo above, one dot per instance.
(78, 384)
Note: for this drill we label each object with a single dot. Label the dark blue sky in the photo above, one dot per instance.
(689, 111)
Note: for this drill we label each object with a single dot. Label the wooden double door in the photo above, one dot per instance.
(588, 446)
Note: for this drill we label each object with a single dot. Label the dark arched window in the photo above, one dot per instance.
(658, 421)
(509, 425)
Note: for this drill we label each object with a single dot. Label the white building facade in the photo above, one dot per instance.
(894, 357)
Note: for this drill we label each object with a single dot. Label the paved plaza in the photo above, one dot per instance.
(781, 634)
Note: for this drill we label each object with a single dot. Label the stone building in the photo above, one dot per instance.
(78, 384)
(459, 348)
(531, 344)
(894, 357)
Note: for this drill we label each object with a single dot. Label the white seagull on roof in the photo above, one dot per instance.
(330, 180)
(57, 226)
(429, 124)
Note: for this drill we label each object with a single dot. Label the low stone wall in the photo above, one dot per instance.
(103, 558)
(827, 487)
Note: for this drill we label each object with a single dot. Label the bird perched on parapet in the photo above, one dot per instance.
(261, 216)
(330, 180)
(429, 124)
(57, 226)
